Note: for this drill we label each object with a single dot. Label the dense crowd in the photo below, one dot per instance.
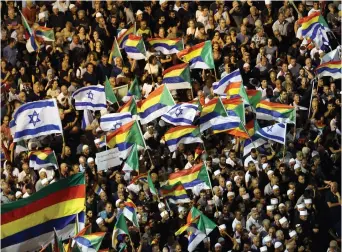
(275, 198)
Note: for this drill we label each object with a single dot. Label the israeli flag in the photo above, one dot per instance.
(181, 114)
(87, 119)
(115, 120)
(35, 119)
(275, 132)
(91, 97)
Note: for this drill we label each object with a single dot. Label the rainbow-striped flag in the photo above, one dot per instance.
(193, 178)
(244, 131)
(135, 48)
(332, 69)
(28, 224)
(254, 97)
(130, 213)
(182, 134)
(272, 111)
(233, 78)
(47, 34)
(124, 36)
(42, 159)
(177, 77)
(129, 106)
(125, 137)
(97, 188)
(120, 230)
(140, 178)
(165, 45)
(155, 105)
(91, 242)
(235, 109)
(199, 56)
(175, 193)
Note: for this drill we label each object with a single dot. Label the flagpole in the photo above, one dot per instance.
(106, 141)
(146, 150)
(284, 144)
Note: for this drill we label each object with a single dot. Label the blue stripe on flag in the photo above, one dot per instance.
(92, 88)
(151, 109)
(36, 131)
(33, 105)
(86, 104)
(177, 120)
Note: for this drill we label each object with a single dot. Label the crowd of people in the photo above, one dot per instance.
(275, 198)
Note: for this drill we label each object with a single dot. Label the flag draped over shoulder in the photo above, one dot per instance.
(165, 45)
(155, 105)
(332, 69)
(198, 56)
(42, 159)
(35, 119)
(90, 242)
(91, 97)
(177, 77)
(29, 224)
(283, 113)
(181, 114)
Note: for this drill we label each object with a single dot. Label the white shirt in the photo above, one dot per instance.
(188, 166)
(250, 222)
(249, 158)
(235, 222)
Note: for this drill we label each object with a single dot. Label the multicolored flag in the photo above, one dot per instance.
(47, 34)
(181, 114)
(135, 48)
(134, 89)
(129, 106)
(182, 134)
(132, 161)
(166, 46)
(124, 36)
(332, 69)
(177, 77)
(130, 213)
(155, 105)
(233, 78)
(283, 113)
(235, 109)
(32, 44)
(120, 230)
(114, 52)
(199, 56)
(42, 158)
(91, 242)
(176, 193)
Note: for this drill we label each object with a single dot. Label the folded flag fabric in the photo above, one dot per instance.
(140, 178)
(28, 224)
(134, 89)
(283, 113)
(35, 119)
(166, 46)
(87, 119)
(332, 69)
(132, 161)
(135, 48)
(114, 121)
(27, 27)
(276, 132)
(153, 189)
(120, 230)
(199, 56)
(125, 137)
(130, 213)
(155, 105)
(110, 96)
(32, 44)
(182, 134)
(254, 142)
(176, 193)
(195, 237)
(90, 242)
(58, 244)
(244, 131)
(181, 114)
(129, 106)
(233, 78)
(42, 159)
(192, 177)
(177, 77)
(47, 34)
(254, 97)
(124, 36)
(91, 97)
(114, 52)
(334, 55)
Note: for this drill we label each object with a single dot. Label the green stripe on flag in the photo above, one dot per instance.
(207, 54)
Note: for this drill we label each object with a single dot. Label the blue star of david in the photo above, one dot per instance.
(90, 95)
(269, 129)
(34, 118)
(117, 125)
(179, 111)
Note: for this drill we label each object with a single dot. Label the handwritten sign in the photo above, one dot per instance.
(107, 159)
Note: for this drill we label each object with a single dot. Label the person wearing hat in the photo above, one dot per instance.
(71, 14)
(57, 19)
(42, 176)
(253, 220)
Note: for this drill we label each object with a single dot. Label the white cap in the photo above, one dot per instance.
(223, 227)
(236, 178)
(308, 201)
(161, 205)
(210, 202)
(89, 160)
(217, 172)
(274, 201)
(163, 214)
(99, 220)
(297, 166)
(264, 166)
(267, 238)
(281, 205)
(277, 244)
(289, 192)
(181, 209)
(84, 147)
(42, 170)
(270, 208)
(245, 196)
(139, 12)
(268, 2)
(230, 194)
(217, 245)
(303, 213)
(246, 65)
(41, 16)
(54, 6)
(275, 187)
(98, 15)
(45, 181)
(117, 203)
(71, 6)
(228, 182)
(292, 233)
(26, 195)
(270, 172)
(18, 194)
(292, 160)
(301, 205)
(97, 140)
(283, 220)
(263, 249)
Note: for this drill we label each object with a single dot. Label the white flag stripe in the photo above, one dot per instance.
(181, 114)
(114, 121)
(276, 132)
(91, 97)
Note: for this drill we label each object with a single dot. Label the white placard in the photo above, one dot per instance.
(107, 159)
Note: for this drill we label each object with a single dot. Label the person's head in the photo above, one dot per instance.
(334, 187)
(283, 95)
(109, 207)
(222, 23)
(253, 10)
(143, 24)
(281, 17)
(161, 32)
(55, 9)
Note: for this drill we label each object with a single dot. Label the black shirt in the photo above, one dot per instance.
(89, 78)
(57, 20)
